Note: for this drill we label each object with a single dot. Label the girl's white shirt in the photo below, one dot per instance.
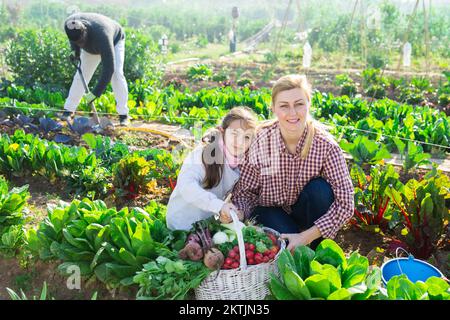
(189, 201)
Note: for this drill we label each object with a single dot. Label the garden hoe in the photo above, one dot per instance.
(99, 123)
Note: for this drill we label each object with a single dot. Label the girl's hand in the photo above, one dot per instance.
(225, 216)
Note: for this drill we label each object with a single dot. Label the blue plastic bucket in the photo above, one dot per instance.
(414, 269)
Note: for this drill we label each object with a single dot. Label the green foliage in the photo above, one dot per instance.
(373, 207)
(324, 275)
(424, 211)
(106, 150)
(377, 60)
(168, 277)
(133, 176)
(412, 154)
(111, 244)
(13, 204)
(364, 150)
(25, 154)
(43, 296)
(199, 72)
(348, 86)
(401, 288)
(40, 58)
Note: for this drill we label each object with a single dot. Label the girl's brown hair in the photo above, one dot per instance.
(212, 151)
(296, 81)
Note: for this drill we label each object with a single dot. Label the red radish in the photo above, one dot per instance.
(232, 254)
(251, 247)
(228, 261)
(246, 246)
(266, 259)
(236, 249)
(235, 265)
(272, 255)
(249, 254)
(251, 261)
(272, 237)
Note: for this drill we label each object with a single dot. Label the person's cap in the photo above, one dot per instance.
(74, 29)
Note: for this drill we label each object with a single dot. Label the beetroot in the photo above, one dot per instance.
(192, 251)
(213, 259)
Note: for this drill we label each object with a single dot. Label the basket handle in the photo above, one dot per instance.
(240, 238)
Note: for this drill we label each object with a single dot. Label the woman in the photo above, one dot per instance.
(294, 178)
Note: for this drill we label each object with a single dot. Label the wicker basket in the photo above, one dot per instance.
(244, 283)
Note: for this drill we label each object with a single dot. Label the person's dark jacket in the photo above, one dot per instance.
(103, 34)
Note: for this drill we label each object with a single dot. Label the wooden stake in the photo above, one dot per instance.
(427, 39)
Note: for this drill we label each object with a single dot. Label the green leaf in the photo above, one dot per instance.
(318, 286)
(354, 275)
(285, 261)
(128, 257)
(90, 139)
(401, 288)
(279, 291)
(303, 255)
(296, 285)
(438, 289)
(329, 252)
(341, 294)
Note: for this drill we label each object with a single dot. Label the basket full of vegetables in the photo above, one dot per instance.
(242, 257)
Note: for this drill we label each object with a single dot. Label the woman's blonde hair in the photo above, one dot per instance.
(296, 81)
(214, 171)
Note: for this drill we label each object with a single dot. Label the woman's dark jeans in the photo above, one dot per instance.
(312, 203)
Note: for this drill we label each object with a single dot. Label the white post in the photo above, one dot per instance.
(407, 54)
(307, 55)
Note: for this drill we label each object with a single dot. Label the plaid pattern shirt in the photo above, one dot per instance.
(272, 177)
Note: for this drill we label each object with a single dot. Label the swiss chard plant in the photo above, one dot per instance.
(424, 211)
(373, 206)
(326, 274)
(365, 151)
(133, 177)
(107, 151)
(412, 155)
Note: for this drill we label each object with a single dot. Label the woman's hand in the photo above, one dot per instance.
(303, 238)
(225, 216)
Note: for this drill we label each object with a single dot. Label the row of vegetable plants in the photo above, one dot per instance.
(105, 169)
(347, 116)
(416, 91)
